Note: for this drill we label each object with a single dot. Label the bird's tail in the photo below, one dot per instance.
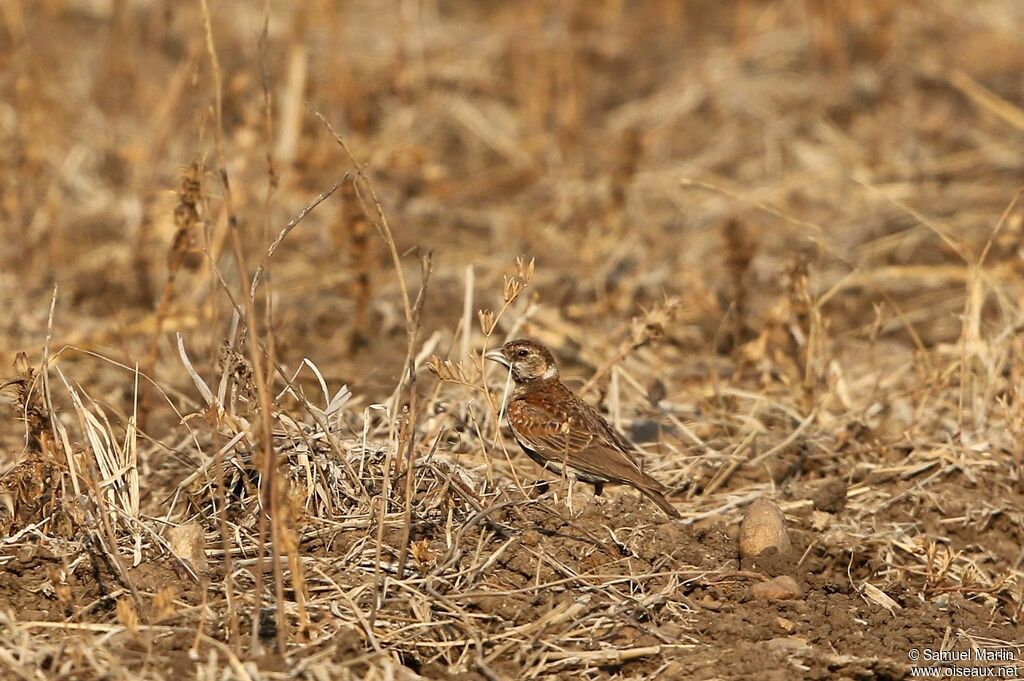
(663, 503)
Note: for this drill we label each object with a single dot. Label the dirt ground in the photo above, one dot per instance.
(778, 244)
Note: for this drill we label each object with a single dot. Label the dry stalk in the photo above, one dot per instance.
(513, 286)
(269, 468)
(187, 221)
(410, 433)
(357, 226)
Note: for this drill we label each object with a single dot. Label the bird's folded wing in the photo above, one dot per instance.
(555, 437)
(549, 433)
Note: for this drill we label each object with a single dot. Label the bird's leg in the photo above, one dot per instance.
(598, 488)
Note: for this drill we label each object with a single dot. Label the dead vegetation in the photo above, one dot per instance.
(253, 255)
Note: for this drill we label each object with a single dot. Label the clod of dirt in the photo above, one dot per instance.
(820, 520)
(781, 588)
(503, 606)
(791, 644)
(188, 543)
(709, 603)
(763, 528)
(830, 495)
(531, 537)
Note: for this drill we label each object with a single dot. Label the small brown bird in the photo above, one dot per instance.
(555, 427)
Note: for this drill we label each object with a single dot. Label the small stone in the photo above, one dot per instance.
(778, 589)
(785, 625)
(763, 528)
(531, 537)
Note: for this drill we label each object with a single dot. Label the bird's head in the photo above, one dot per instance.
(528, 359)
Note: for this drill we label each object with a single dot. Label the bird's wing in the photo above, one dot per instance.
(574, 437)
(548, 432)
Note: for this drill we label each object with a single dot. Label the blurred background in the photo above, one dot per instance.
(856, 156)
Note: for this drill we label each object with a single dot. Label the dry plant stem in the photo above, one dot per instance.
(357, 228)
(382, 224)
(382, 501)
(417, 312)
(268, 481)
(48, 399)
(973, 280)
(987, 99)
(268, 132)
(233, 661)
(733, 465)
(226, 537)
(226, 543)
(412, 317)
(384, 230)
(288, 228)
(467, 314)
(999, 226)
(410, 478)
(940, 231)
(487, 393)
(108, 542)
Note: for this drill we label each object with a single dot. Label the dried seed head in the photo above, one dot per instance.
(650, 326)
(21, 366)
(126, 616)
(487, 321)
(186, 217)
(656, 392)
(436, 366)
(514, 285)
(798, 285)
(524, 270)
(421, 553)
(163, 602)
(447, 370)
(237, 365)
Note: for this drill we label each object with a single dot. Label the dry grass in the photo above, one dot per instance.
(253, 255)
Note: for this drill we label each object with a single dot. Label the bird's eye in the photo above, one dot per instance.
(523, 353)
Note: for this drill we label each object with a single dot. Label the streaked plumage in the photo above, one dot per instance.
(556, 428)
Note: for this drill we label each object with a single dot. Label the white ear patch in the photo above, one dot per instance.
(550, 372)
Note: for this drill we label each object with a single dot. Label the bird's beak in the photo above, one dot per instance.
(497, 356)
